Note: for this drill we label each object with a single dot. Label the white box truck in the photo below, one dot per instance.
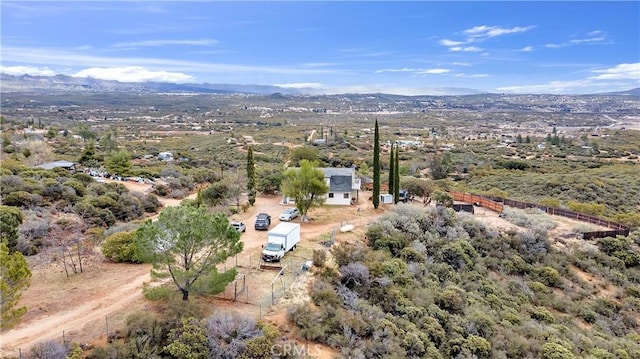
(281, 239)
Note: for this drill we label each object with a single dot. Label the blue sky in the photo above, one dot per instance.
(332, 47)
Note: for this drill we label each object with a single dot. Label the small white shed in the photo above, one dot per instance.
(386, 198)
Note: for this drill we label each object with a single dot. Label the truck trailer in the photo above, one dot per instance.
(281, 239)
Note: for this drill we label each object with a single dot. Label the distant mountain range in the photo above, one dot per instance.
(63, 83)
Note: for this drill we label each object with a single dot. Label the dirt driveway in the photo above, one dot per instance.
(91, 304)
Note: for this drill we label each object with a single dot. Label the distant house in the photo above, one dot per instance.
(58, 164)
(344, 185)
(165, 156)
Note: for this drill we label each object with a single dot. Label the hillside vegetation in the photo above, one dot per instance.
(436, 284)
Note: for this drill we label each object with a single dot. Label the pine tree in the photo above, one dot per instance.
(186, 244)
(15, 277)
(376, 167)
(392, 176)
(251, 177)
(396, 180)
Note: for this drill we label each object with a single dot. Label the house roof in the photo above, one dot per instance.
(56, 164)
(340, 183)
(335, 171)
(340, 179)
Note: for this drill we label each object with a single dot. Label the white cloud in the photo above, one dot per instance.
(527, 49)
(465, 49)
(619, 77)
(158, 43)
(446, 42)
(478, 34)
(301, 85)
(619, 72)
(433, 71)
(473, 76)
(26, 70)
(461, 64)
(319, 64)
(595, 37)
(76, 59)
(484, 31)
(404, 69)
(557, 87)
(133, 74)
(589, 40)
(415, 71)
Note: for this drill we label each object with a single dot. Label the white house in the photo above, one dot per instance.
(344, 186)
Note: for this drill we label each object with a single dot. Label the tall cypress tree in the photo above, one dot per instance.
(376, 167)
(251, 177)
(392, 176)
(396, 175)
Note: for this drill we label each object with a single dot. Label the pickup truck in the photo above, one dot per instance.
(239, 226)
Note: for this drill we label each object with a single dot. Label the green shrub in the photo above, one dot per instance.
(23, 199)
(549, 276)
(513, 318)
(215, 194)
(120, 247)
(262, 346)
(319, 257)
(162, 292)
(538, 287)
(632, 291)
(458, 254)
(346, 253)
(451, 299)
(606, 306)
(77, 186)
(478, 346)
(588, 315)
(556, 351)
(541, 314)
(309, 320)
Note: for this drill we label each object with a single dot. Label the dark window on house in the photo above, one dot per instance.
(330, 195)
(345, 196)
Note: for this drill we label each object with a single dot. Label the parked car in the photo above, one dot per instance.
(263, 221)
(289, 214)
(239, 226)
